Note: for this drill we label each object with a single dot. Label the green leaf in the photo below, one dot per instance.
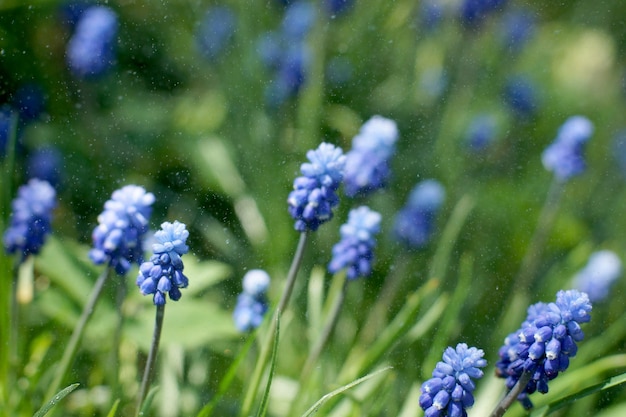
(609, 383)
(263, 407)
(114, 408)
(58, 397)
(314, 409)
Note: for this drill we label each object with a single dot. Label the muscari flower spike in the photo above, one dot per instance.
(31, 218)
(118, 238)
(215, 31)
(163, 273)
(314, 195)
(252, 303)
(564, 157)
(367, 163)
(415, 222)
(91, 50)
(355, 250)
(450, 390)
(545, 343)
(596, 278)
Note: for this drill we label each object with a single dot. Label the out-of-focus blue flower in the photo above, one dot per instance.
(46, 163)
(601, 271)
(367, 163)
(415, 222)
(117, 240)
(31, 218)
(252, 303)
(545, 343)
(451, 389)
(163, 273)
(481, 132)
(6, 121)
(564, 157)
(215, 31)
(518, 26)
(314, 193)
(355, 250)
(431, 14)
(29, 101)
(520, 96)
(298, 20)
(337, 7)
(474, 12)
(91, 50)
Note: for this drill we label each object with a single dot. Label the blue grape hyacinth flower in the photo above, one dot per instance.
(91, 49)
(415, 222)
(596, 278)
(163, 273)
(545, 343)
(450, 391)
(31, 218)
(252, 303)
(564, 157)
(367, 163)
(314, 196)
(215, 31)
(355, 250)
(118, 238)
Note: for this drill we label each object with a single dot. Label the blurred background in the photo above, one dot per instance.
(212, 105)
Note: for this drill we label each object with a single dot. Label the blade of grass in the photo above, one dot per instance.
(114, 408)
(315, 408)
(55, 400)
(264, 401)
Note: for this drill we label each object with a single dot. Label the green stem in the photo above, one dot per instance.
(72, 345)
(154, 348)
(511, 396)
(267, 344)
(117, 339)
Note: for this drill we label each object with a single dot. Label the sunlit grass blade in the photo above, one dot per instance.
(114, 408)
(264, 401)
(607, 384)
(148, 401)
(315, 408)
(55, 400)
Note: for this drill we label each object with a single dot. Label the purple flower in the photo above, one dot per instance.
(596, 278)
(118, 238)
(451, 389)
(91, 50)
(545, 343)
(355, 250)
(367, 164)
(564, 157)
(31, 218)
(314, 195)
(415, 222)
(163, 273)
(252, 303)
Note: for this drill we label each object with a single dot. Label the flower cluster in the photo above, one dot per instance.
(596, 278)
(31, 218)
(544, 343)
(286, 53)
(118, 238)
(450, 390)
(163, 273)
(367, 163)
(314, 195)
(355, 250)
(474, 12)
(91, 50)
(252, 303)
(415, 222)
(481, 132)
(564, 157)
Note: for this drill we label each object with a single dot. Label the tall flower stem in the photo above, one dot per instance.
(511, 396)
(154, 348)
(77, 334)
(267, 343)
(117, 338)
